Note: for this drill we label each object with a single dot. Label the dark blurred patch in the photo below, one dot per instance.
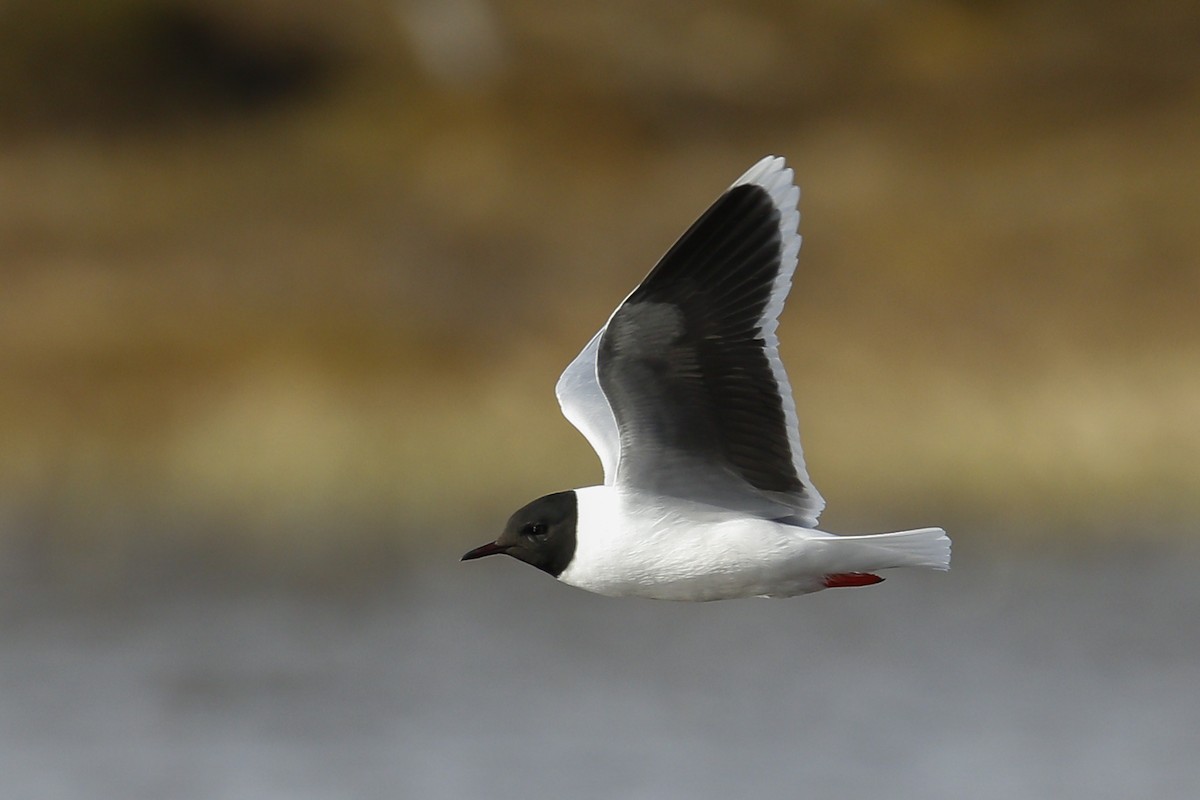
(199, 63)
(123, 64)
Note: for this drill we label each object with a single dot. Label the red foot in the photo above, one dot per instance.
(840, 579)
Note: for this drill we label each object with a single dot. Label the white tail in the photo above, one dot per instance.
(925, 547)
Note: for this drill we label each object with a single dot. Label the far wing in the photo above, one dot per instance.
(585, 406)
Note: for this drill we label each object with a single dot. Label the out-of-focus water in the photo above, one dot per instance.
(1077, 676)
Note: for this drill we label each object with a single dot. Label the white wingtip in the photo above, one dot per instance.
(778, 180)
(763, 169)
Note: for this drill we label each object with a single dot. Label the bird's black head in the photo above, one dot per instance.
(542, 534)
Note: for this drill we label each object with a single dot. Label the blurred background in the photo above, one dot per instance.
(284, 292)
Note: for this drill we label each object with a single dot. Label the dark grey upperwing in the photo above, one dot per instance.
(690, 366)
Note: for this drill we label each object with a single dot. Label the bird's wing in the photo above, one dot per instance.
(695, 402)
(586, 407)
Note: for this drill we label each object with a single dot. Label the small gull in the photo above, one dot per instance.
(684, 398)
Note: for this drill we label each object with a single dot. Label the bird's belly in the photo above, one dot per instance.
(743, 558)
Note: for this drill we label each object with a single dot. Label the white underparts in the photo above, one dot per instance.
(663, 548)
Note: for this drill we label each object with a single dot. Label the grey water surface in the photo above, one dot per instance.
(1069, 675)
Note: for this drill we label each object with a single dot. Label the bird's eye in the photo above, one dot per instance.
(533, 529)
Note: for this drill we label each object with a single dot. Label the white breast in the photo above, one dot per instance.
(632, 544)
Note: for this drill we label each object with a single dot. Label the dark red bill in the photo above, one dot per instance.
(489, 549)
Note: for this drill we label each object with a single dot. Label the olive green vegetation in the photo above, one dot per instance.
(311, 270)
